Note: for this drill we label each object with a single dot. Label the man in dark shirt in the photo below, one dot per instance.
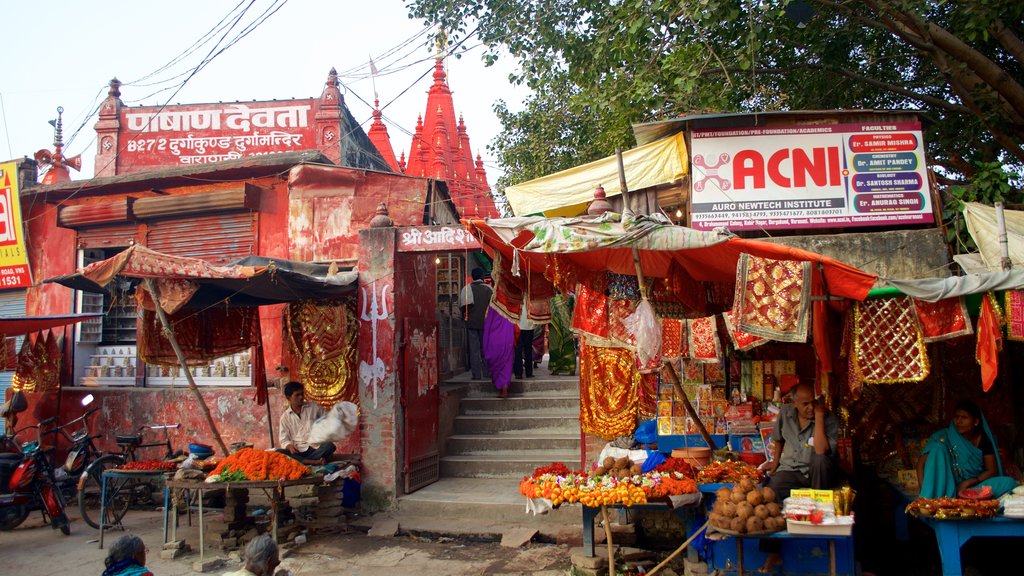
(475, 299)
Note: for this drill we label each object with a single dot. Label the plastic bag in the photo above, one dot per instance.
(647, 432)
(339, 422)
(643, 323)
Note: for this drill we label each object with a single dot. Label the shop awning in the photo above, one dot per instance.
(18, 325)
(195, 283)
(568, 192)
(606, 244)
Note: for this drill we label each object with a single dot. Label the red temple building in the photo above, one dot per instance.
(440, 150)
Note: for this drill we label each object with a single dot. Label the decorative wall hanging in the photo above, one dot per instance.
(609, 391)
(888, 345)
(772, 298)
(672, 338)
(741, 340)
(1014, 303)
(322, 335)
(942, 320)
(702, 340)
(990, 341)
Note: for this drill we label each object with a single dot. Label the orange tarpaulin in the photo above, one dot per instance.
(605, 244)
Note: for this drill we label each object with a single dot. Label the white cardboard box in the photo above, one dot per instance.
(801, 527)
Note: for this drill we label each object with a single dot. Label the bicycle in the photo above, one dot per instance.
(81, 453)
(121, 492)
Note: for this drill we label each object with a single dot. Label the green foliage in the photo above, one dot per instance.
(597, 67)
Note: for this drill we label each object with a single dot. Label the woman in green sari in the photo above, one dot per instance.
(561, 341)
(962, 456)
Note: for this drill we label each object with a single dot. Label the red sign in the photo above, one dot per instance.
(168, 136)
(436, 239)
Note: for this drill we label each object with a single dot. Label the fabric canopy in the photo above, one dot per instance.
(18, 325)
(194, 283)
(935, 289)
(605, 243)
(981, 223)
(661, 162)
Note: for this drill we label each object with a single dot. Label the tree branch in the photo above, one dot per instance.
(1008, 39)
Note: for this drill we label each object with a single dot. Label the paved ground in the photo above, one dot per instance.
(36, 549)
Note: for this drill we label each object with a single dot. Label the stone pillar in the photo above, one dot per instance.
(379, 393)
(108, 132)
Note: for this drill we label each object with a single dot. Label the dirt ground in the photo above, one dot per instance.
(34, 548)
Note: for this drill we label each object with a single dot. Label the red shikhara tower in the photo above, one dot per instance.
(440, 150)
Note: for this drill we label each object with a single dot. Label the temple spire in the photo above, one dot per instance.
(378, 134)
(58, 164)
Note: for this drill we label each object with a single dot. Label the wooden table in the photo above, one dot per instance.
(684, 505)
(953, 534)
(147, 475)
(274, 489)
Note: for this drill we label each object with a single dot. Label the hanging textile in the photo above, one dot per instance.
(672, 338)
(590, 316)
(213, 333)
(623, 286)
(702, 340)
(38, 364)
(942, 320)
(741, 340)
(772, 298)
(619, 333)
(888, 345)
(510, 290)
(1013, 301)
(854, 377)
(990, 342)
(322, 338)
(561, 341)
(610, 388)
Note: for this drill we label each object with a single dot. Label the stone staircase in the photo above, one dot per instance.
(493, 444)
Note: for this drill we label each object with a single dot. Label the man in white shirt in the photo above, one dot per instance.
(295, 424)
(523, 361)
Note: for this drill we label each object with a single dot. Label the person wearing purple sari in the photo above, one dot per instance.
(499, 349)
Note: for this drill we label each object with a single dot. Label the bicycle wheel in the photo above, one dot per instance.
(119, 493)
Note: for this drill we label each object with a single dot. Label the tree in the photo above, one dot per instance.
(598, 66)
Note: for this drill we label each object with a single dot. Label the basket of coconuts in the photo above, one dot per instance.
(746, 509)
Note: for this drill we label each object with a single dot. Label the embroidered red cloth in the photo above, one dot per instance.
(671, 338)
(740, 340)
(942, 320)
(772, 298)
(702, 340)
(591, 312)
(888, 344)
(1013, 301)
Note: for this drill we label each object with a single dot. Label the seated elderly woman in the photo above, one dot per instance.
(962, 456)
(261, 557)
(126, 557)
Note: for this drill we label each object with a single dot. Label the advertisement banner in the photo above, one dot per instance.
(155, 137)
(14, 272)
(809, 176)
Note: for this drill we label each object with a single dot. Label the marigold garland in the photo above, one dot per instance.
(263, 465)
(603, 490)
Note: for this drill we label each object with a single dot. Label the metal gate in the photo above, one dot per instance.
(12, 303)
(218, 238)
(420, 402)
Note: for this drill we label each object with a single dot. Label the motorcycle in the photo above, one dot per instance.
(27, 481)
(81, 452)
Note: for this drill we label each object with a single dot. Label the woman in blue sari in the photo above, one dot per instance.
(962, 456)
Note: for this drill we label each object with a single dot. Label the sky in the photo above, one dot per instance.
(66, 54)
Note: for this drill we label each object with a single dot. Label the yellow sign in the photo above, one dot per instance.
(14, 271)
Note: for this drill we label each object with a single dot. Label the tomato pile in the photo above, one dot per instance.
(730, 472)
(154, 465)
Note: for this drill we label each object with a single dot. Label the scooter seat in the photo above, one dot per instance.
(5, 457)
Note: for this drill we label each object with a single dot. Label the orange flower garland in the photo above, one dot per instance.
(262, 465)
(604, 490)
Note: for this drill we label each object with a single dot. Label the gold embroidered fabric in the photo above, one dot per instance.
(772, 298)
(888, 344)
(610, 387)
(39, 364)
(702, 340)
(322, 335)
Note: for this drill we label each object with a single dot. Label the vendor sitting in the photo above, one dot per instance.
(806, 440)
(295, 424)
(962, 456)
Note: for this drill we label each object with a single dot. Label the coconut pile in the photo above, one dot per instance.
(747, 509)
(618, 467)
